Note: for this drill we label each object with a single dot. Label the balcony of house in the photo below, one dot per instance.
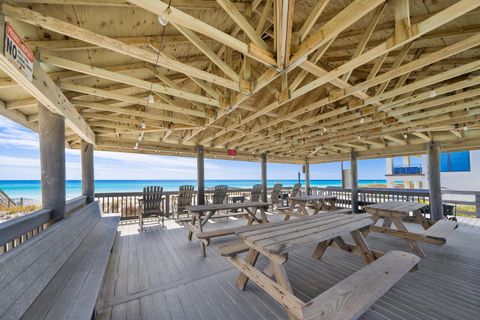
(411, 170)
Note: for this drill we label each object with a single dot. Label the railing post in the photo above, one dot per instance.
(51, 128)
(354, 176)
(201, 174)
(264, 177)
(307, 177)
(436, 206)
(477, 205)
(88, 188)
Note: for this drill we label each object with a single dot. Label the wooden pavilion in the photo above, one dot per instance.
(294, 81)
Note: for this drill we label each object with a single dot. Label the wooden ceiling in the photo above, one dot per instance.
(294, 78)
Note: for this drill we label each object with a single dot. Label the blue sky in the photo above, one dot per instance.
(19, 160)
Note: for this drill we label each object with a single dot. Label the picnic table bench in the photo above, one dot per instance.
(202, 213)
(59, 273)
(348, 299)
(298, 205)
(436, 232)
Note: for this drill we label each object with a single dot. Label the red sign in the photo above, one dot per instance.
(232, 152)
(17, 52)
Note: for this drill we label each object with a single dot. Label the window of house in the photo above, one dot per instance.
(455, 161)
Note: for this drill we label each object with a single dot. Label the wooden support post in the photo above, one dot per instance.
(307, 177)
(354, 178)
(264, 177)
(477, 206)
(201, 175)
(88, 180)
(436, 206)
(51, 129)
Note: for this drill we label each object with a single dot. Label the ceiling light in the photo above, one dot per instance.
(150, 99)
(465, 128)
(433, 94)
(163, 20)
(405, 136)
(362, 120)
(143, 125)
(358, 138)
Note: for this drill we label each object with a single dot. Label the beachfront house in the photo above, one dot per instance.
(284, 81)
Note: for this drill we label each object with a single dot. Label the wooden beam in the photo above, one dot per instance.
(205, 49)
(402, 19)
(312, 19)
(17, 117)
(181, 18)
(135, 113)
(283, 27)
(42, 88)
(240, 20)
(452, 12)
(68, 29)
(344, 19)
(122, 78)
(366, 37)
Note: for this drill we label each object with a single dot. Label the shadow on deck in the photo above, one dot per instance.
(159, 274)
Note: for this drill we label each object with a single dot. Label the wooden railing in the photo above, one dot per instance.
(16, 231)
(19, 230)
(6, 201)
(459, 199)
(126, 203)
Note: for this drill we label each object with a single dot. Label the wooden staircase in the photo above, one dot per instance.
(5, 200)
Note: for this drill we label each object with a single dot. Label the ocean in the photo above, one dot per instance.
(31, 189)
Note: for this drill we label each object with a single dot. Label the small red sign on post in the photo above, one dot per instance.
(232, 152)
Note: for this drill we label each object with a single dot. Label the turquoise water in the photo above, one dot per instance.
(31, 189)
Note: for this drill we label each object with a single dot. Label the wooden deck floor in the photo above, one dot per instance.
(158, 274)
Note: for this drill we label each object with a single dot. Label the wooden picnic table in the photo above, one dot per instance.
(202, 213)
(276, 240)
(395, 212)
(298, 205)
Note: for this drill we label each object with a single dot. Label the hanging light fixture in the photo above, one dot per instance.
(150, 99)
(465, 128)
(163, 19)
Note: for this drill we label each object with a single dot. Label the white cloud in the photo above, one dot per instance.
(8, 161)
(14, 135)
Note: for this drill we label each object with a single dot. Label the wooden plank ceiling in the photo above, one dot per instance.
(295, 78)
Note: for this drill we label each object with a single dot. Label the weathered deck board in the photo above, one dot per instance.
(158, 274)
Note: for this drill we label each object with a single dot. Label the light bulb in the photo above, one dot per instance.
(433, 94)
(362, 120)
(163, 20)
(405, 136)
(143, 125)
(465, 128)
(150, 99)
(358, 138)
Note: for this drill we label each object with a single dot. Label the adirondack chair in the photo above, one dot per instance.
(256, 193)
(276, 196)
(294, 193)
(219, 194)
(151, 205)
(185, 196)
